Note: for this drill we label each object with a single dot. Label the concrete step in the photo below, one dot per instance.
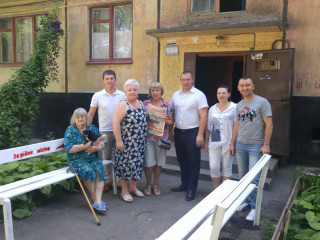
(172, 167)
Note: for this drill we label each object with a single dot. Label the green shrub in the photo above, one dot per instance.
(19, 96)
(25, 204)
(305, 218)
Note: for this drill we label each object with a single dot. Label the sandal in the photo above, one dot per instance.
(105, 205)
(156, 190)
(138, 194)
(99, 208)
(127, 198)
(147, 191)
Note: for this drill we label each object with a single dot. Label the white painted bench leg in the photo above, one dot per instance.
(218, 216)
(263, 176)
(115, 190)
(110, 162)
(7, 215)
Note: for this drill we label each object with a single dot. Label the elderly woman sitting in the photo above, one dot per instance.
(82, 156)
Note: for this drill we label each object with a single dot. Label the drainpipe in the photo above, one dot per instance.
(66, 85)
(284, 21)
(158, 27)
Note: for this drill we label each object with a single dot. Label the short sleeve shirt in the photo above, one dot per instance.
(106, 103)
(251, 124)
(220, 124)
(186, 106)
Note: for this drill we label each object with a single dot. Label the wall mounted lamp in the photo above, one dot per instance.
(218, 40)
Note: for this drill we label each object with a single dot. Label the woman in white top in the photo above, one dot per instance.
(221, 119)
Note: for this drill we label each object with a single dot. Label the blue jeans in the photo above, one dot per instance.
(188, 155)
(247, 156)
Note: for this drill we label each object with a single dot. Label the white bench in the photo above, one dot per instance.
(36, 182)
(206, 219)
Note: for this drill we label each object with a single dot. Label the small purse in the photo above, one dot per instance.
(164, 143)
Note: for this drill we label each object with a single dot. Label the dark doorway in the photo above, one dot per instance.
(212, 71)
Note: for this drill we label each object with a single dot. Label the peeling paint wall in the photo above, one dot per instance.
(172, 66)
(88, 78)
(178, 12)
(304, 36)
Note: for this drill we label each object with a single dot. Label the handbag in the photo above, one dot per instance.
(164, 143)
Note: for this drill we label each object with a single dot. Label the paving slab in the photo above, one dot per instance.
(69, 217)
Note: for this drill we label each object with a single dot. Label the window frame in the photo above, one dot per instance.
(14, 63)
(216, 9)
(110, 60)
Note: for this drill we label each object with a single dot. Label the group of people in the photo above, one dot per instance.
(227, 129)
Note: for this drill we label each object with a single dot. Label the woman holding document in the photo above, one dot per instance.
(221, 119)
(159, 118)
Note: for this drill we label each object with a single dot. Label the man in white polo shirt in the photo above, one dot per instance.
(106, 100)
(190, 108)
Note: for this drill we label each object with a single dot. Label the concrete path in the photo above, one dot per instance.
(69, 218)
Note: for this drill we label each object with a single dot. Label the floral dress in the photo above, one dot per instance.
(85, 164)
(129, 162)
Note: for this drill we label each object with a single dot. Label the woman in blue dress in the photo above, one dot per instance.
(82, 156)
(130, 131)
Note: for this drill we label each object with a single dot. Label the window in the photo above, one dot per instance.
(218, 5)
(111, 34)
(16, 38)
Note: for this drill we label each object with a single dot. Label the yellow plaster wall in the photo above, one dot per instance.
(178, 12)
(172, 66)
(87, 78)
(173, 13)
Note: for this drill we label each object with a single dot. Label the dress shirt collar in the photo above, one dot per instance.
(192, 90)
(115, 93)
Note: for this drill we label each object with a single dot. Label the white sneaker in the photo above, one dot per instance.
(251, 215)
(242, 206)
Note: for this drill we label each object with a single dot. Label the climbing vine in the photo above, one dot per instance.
(20, 96)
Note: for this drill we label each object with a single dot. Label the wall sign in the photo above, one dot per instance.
(172, 50)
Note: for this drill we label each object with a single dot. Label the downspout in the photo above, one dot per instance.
(284, 21)
(158, 27)
(66, 85)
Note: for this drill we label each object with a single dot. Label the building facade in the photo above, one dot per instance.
(99, 35)
(272, 41)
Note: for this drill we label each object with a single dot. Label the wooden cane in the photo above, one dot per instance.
(84, 193)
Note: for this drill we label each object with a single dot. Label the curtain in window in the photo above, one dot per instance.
(5, 41)
(100, 34)
(202, 5)
(24, 45)
(122, 32)
(100, 41)
(5, 47)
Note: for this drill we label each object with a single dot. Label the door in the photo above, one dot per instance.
(272, 73)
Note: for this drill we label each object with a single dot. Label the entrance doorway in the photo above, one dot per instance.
(213, 70)
(272, 72)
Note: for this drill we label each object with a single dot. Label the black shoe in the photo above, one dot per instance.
(179, 189)
(190, 196)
